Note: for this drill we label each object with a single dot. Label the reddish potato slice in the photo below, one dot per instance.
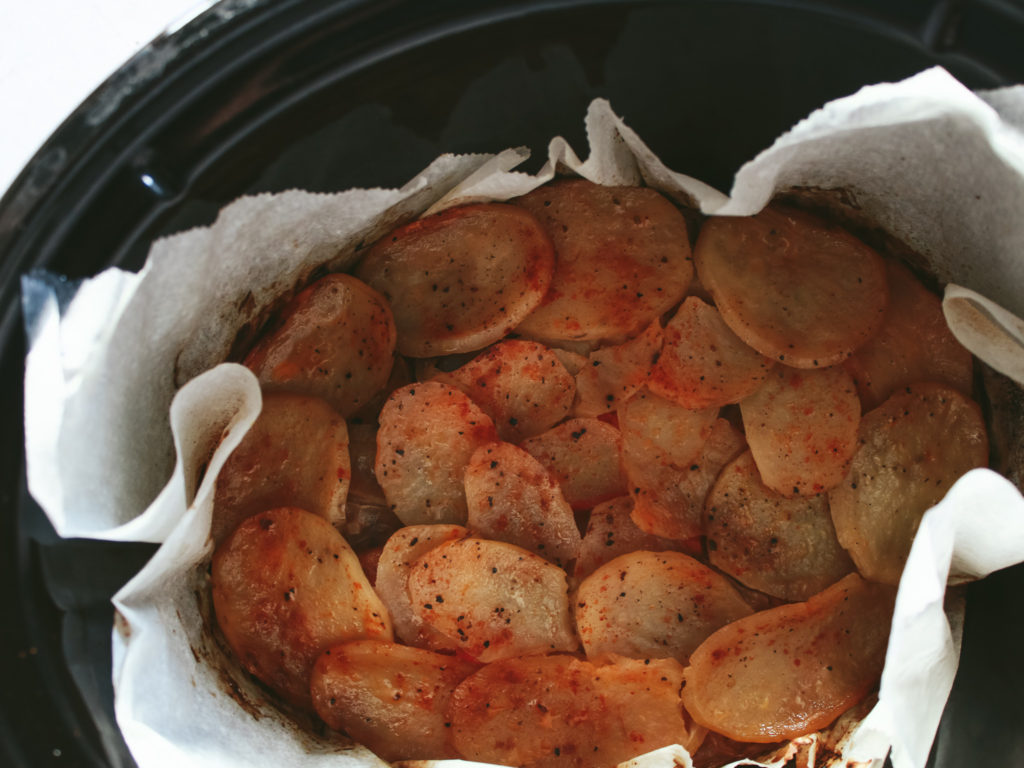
(790, 670)
(494, 600)
(513, 498)
(914, 344)
(390, 698)
(295, 454)
(461, 279)
(428, 431)
(612, 375)
(703, 364)
(554, 711)
(521, 385)
(622, 260)
(584, 455)
(611, 532)
(336, 341)
(783, 547)
(802, 429)
(657, 430)
(286, 587)
(911, 449)
(796, 289)
(653, 605)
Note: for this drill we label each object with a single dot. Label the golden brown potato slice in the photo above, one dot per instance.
(336, 340)
(795, 288)
(513, 498)
(802, 429)
(787, 671)
(428, 431)
(286, 587)
(653, 605)
(584, 455)
(914, 344)
(622, 260)
(461, 279)
(295, 454)
(493, 599)
(911, 449)
(703, 364)
(784, 547)
(390, 698)
(521, 385)
(555, 711)
(613, 374)
(611, 532)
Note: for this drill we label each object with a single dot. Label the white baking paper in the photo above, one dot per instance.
(125, 400)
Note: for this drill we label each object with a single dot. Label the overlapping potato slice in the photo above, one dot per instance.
(613, 374)
(911, 449)
(494, 600)
(914, 344)
(784, 547)
(584, 455)
(795, 288)
(703, 364)
(428, 432)
(622, 259)
(653, 605)
(286, 587)
(461, 279)
(512, 497)
(522, 385)
(335, 340)
(611, 532)
(802, 429)
(554, 711)
(390, 698)
(658, 429)
(787, 671)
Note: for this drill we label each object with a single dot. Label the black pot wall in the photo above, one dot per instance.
(329, 95)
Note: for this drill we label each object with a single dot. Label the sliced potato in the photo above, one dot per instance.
(802, 429)
(286, 587)
(911, 449)
(585, 457)
(783, 547)
(390, 698)
(703, 364)
(336, 340)
(622, 260)
(428, 431)
(461, 279)
(611, 532)
(659, 430)
(513, 498)
(791, 670)
(494, 600)
(521, 385)
(653, 605)
(613, 374)
(795, 288)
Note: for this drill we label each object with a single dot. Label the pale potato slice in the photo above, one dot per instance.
(911, 449)
(336, 340)
(390, 698)
(585, 457)
(658, 430)
(791, 670)
(914, 344)
(401, 551)
(703, 364)
(653, 605)
(295, 454)
(797, 289)
(611, 532)
(613, 374)
(494, 600)
(802, 429)
(554, 711)
(521, 385)
(428, 431)
(512, 497)
(783, 547)
(622, 259)
(286, 587)
(461, 279)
